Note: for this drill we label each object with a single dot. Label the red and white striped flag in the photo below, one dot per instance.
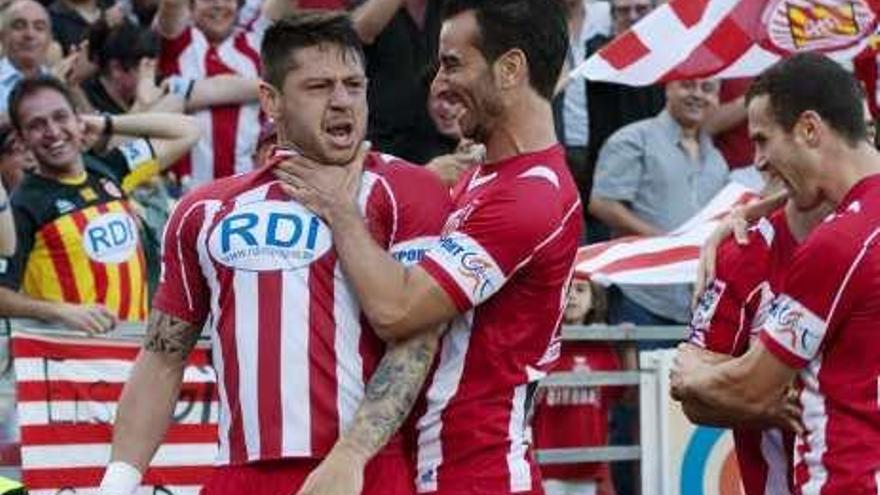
(660, 260)
(687, 39)
(68, 388)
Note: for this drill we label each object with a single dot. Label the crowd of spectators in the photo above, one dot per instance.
(113, 79)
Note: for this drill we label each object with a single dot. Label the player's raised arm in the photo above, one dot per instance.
(148, 400)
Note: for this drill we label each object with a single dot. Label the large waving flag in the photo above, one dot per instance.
(686, 39)
(667, 259)
(68, 388)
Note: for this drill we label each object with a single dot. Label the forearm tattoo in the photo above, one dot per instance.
(392, 391)
(169, 335)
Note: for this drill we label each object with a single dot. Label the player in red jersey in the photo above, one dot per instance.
(292, 351)
(725, 321)
(498, 274)
(805, 118)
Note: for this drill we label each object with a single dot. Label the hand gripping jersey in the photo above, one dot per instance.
(505, 259)
(825, 323)
(291, 347)
(729, 315)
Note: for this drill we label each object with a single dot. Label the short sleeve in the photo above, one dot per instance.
(183, 291)
(12, 268)
(423, 204)
(132, 162)
(806, 314)
(491, 241)
(722, 318)
(619, 166)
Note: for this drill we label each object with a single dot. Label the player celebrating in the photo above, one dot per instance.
(805, 118)
(290, 347)
(500, 270)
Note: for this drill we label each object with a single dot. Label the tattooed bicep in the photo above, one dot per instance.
(170, 335)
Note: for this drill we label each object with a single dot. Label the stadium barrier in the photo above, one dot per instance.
(676, 458)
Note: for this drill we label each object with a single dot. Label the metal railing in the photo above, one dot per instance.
(591, 333)
(603, 333)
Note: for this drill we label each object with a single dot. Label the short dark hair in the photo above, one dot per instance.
(30, 85)
(810, 81)
(126, 43)
(305, 29)
(537, 27)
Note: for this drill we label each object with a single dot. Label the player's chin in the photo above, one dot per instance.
(336, 156)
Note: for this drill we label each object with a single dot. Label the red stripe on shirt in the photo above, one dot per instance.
(51, 237)
(226, 330)
(244, 47)
(322, 354)
(99, 271)
(269, 372)
(224, 121)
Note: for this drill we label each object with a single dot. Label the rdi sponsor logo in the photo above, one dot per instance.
(269, 235)
(111, 238)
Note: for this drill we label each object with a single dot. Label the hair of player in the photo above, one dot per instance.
(810, 81)
(537, 27)
(30, 86)
(302, 30)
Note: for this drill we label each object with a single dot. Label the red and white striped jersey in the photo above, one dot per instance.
(824, 323)
(505, 259)
(291, 347)
(229, 132)
(729, 315)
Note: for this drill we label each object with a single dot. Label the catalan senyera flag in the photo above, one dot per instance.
(667, 259)
(68, 388)
(687, 39)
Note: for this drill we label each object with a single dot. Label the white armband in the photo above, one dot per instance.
(120, 478)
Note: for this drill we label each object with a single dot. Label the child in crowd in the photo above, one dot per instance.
(570, 417)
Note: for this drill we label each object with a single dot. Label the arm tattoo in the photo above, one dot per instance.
(169, 335)
(392, 391)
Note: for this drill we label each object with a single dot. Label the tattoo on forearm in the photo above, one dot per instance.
(169, 335)
(392, 391)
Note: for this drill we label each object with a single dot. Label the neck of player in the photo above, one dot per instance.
(860, 162)
(526, 127)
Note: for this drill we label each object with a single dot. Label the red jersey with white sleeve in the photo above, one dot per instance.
(291, 347)
(229, 132)
(825, 323)
(728, 316)
(569, 417)
(505, 258)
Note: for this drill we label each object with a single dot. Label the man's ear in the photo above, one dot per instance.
(270, 100)
(810, 127)
(511, 69)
